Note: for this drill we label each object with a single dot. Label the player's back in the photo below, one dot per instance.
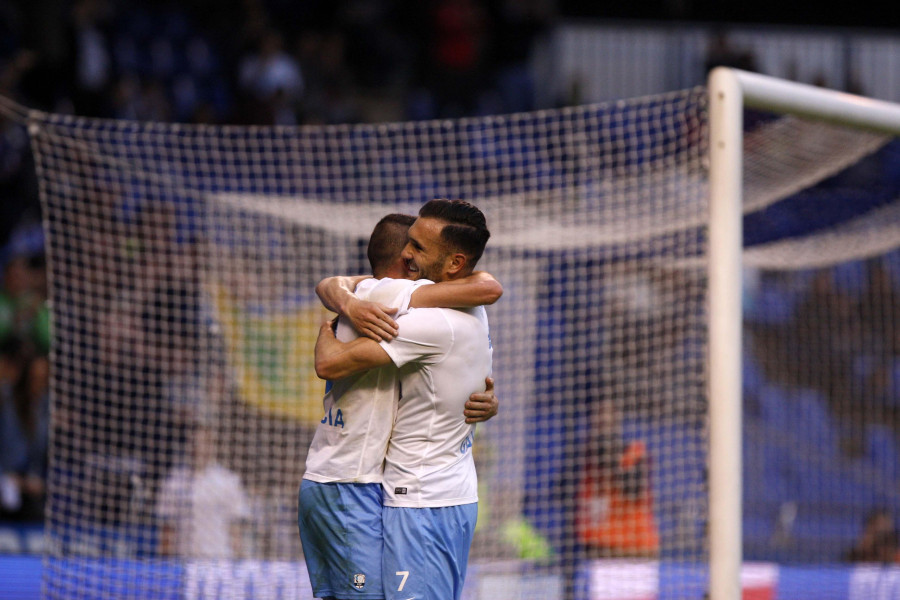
(351, 439)
(444, 356)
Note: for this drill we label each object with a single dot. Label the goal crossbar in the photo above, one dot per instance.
(730, 92)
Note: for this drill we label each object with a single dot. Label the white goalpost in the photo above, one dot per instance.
(730, 92)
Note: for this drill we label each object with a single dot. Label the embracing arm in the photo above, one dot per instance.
(336, 292)
(374, 320)
(370, 319)
(477, 289)
(336, 359)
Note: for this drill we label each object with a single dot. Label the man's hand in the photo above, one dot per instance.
(482, 406)
(371, 319)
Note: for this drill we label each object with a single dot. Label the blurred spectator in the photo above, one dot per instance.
(24, 424)
(373, 52)
(614, 515)
(272, 79)
(24, 312)
(202, 506)
(824, 325)
(18, 185)
(92, 68)
(519, 23)
(328, 98)
(879, 304)
(14, 69)
(10, 372)
(455, 46)
(878, 541)
(877, 358)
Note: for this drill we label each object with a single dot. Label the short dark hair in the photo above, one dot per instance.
(466, 227)
(387, 241)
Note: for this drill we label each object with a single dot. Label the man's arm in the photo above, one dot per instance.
(336, 359)
(336, 292)
(370, 319)
(374, 320)
(482, 406)
(477, 289)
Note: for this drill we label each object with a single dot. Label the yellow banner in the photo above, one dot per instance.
(270, 352)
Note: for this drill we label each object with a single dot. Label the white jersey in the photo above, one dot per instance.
(443, 355)
(351, 440)
(202, 506)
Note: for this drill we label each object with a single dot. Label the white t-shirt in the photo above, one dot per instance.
(202, 506)
(352, 438)
(443, 355)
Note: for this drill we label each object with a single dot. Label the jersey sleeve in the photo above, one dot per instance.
(424, 336)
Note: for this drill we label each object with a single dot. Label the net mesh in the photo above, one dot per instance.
(183, 261)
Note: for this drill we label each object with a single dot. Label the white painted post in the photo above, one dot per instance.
(725, 246)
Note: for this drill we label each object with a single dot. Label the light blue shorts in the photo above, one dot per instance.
(426, 551)
(340, 529)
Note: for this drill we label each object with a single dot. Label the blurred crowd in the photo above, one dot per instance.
(270, 61)
(837, 318)
(24, 388)
(267, 62)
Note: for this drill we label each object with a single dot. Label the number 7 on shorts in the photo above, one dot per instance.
(404, 575)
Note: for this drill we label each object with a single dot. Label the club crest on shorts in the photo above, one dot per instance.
(359, 581)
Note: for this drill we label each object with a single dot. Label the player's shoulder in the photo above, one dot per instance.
(462, 313)
(467, 319)
(387, 290)
(429, 322)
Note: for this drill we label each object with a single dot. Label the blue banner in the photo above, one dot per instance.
(22, 577)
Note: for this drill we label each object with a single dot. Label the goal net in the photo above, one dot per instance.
(183, 260)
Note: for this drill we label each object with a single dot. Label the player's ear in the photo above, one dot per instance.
(457, 263)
